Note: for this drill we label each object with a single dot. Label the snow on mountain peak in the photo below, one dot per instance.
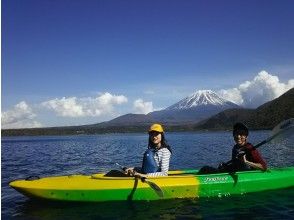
(200, 98)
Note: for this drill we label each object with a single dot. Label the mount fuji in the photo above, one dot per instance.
(198, 106)
(202, 98)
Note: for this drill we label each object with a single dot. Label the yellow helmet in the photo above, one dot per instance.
(156, 127)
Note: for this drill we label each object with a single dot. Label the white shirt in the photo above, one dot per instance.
(162, 158)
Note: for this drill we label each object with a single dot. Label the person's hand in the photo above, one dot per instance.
(244, 159)
(140, 175)
(129, 171)
(221, 166)
(241, 154)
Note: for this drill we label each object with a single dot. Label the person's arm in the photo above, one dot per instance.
(258, 162)
(251, 164)
(164, 165)
(234, 153)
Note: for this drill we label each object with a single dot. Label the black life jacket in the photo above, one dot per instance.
(239, 164)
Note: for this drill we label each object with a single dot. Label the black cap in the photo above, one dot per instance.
(240, 127)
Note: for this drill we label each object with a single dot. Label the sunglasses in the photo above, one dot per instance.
(154, 133)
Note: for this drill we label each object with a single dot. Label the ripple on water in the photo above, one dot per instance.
(66, 155)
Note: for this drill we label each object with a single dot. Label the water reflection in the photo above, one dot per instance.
(271, 204)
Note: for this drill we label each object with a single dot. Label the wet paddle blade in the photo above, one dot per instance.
(280, 131)
(285, 128)
(154, 186)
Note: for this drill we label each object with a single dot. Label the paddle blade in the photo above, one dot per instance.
(285, 128)
(154, 186)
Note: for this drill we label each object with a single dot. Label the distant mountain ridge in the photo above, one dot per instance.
(194, 108)
(265, 116)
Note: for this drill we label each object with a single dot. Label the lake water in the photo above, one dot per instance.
(63, 155)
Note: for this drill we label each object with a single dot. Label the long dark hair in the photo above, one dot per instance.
(164, 143)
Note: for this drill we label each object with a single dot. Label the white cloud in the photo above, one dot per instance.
(263, 88)
(142, 107)
(21, 116)
(65, 107)
(82, 107)
(232, 95)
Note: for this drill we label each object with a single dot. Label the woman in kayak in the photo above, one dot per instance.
(244, 155)
(156, 157)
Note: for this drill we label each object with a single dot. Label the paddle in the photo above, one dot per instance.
(286, 127)
(153, 185)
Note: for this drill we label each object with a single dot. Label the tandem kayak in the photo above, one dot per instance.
(178, 184)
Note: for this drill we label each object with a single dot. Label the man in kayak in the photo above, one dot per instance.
(244, 155)
(156, 158)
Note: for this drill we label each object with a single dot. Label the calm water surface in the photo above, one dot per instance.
(63, 155)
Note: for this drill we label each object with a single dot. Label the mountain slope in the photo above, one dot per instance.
(225, 119)
(265, 116)
(202, 98)
(130, 119)
(273, 112)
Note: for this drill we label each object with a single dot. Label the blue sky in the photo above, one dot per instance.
(69, 62)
